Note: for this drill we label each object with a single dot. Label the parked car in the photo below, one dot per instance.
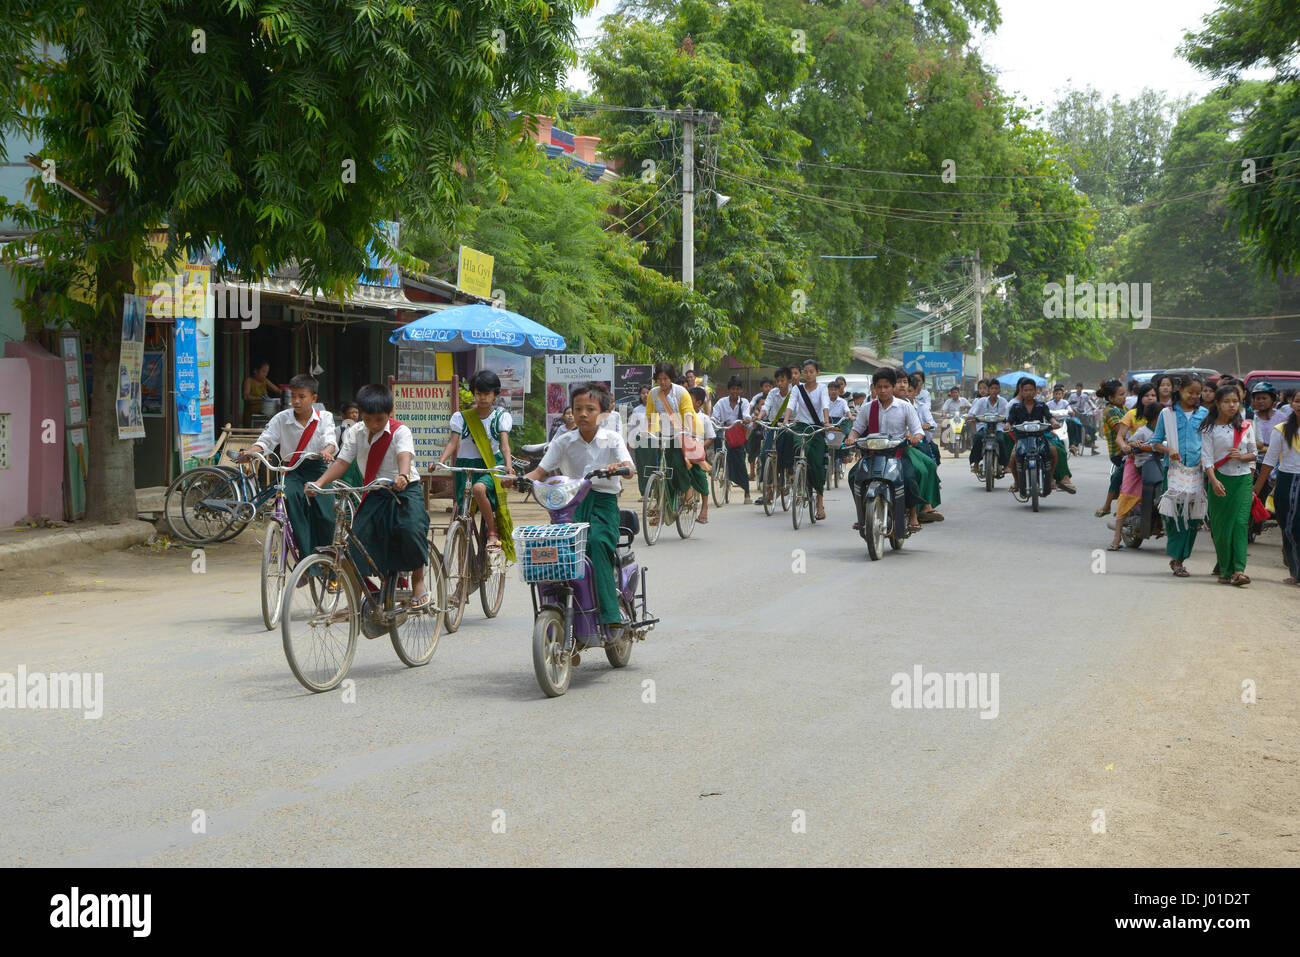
(1281, 379)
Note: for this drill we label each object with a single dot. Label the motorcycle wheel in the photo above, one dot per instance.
(875, 515)
(1129, 535)
(898, 527)
(990, 468)
(1030, 481)
(619, 651)
(552, 668)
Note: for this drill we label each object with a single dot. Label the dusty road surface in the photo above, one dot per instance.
(1118, 734)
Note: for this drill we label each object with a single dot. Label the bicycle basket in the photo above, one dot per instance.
(552, 553)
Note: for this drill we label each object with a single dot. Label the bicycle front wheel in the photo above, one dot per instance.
(455, 558)
(687, 511)
(493, 589)
(783, 486)
(652, 508)
(415, 632)
(718, 479)
(275, 560)
(198, 505)
(319, 625)
(799, 493)
(767, 486)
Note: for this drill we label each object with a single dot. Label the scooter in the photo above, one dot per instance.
(989, 471)
(879, 495)
(553, 560)
(1144, 522)
(953, 439)
(1033, 462)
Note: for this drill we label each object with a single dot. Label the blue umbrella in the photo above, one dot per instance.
(462, 328)
(1011, 378)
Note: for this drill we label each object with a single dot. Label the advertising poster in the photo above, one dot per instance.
(151, 384)
(628, 381)
(187, 377)
(564, 371)
(198, 443)
(424, 408)
(513, 371)
(130, 421)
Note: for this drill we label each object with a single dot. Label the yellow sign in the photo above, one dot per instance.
(444, 371)
(475, 273)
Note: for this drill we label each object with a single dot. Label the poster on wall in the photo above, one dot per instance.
(513, 372)
(187, 376)
(75, 464)
(130, 422)
(151, 384)
(425, 409)
(564, 371)
(196, 420)
(628, 381)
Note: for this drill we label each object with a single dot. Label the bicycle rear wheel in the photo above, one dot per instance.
(415, 633)
(456, 560)
(198, 505)
(318, 626)
(652, 508)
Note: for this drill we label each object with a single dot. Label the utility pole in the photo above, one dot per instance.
(688, 198)
(979, 319)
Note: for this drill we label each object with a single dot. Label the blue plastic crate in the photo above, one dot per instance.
(551, 553)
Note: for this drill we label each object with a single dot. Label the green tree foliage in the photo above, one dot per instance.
(240, 121)
(1238, 36)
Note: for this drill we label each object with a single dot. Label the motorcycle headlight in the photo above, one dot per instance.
(558, 495)
(877, 444)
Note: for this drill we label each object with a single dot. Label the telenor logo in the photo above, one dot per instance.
(102, 910)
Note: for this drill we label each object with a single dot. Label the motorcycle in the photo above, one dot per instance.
(1060, 429)
(1144, 521)
(879, 495)
(553, 561)
(1033, 462)
(951, 433)
(989, 471)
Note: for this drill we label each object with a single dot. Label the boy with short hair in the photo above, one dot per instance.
(990, 404)
(485, 430)
(302, 430)
(393, 527)
(574, 454)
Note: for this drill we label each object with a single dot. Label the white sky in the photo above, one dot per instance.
(1117, 46)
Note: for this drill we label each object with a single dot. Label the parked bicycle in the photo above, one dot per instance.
(465, 554)
(660, 503)
(319, 621)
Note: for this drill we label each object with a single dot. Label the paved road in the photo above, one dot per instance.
(771, 738)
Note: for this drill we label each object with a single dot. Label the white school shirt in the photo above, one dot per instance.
(707, 428)
(955, 406)
(357, 443)
(773, 403)
(569, 455)
(284, 430)
(613, 422)
(923, 398)
(924, 414)
(982, 406)
(1281, 454)
(1059, 406)
(468, 449)
(756, 398)
(820, 399)
(838, 408)
(725, 414)
(1217, 443)
(898, 419)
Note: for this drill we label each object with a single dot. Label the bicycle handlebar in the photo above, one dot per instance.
(495, 470)
(336, 487)
(622, 470)
(284, 469)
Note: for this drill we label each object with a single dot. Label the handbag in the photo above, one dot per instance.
(692, 446)
(1183, 479)
(736, 436)
(1258, 513)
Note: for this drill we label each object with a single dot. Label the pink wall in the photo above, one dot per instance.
(31, 390)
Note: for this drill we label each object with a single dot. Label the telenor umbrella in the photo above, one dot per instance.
(462, 328)
(1011, 378)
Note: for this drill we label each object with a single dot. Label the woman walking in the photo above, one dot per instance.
(1284, 455)
(1182, 498)
(1112, 393)
(1227, 449)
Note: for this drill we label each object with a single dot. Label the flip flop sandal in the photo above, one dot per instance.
(1240, 579)
(422, 602)
(1288, 581)
(1116, 548)
(1070, 489)
(821, 515)
(701, 521)
(914, 528)
(1100, 514)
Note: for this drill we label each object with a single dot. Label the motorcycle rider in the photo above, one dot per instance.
(990, 404)
(1029, 409)
(894, 418)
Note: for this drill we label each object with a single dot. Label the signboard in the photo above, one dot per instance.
(392, 275)
(425, 408)
(130, 423)
(75, 462)
(628, 381)
(513, 371)
(943, 370)
(564, 371)
(187, 376)
(195, 405)
(151, 384)
(475, 273)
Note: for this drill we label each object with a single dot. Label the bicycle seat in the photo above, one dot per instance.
(537, 450)
(628, 522)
